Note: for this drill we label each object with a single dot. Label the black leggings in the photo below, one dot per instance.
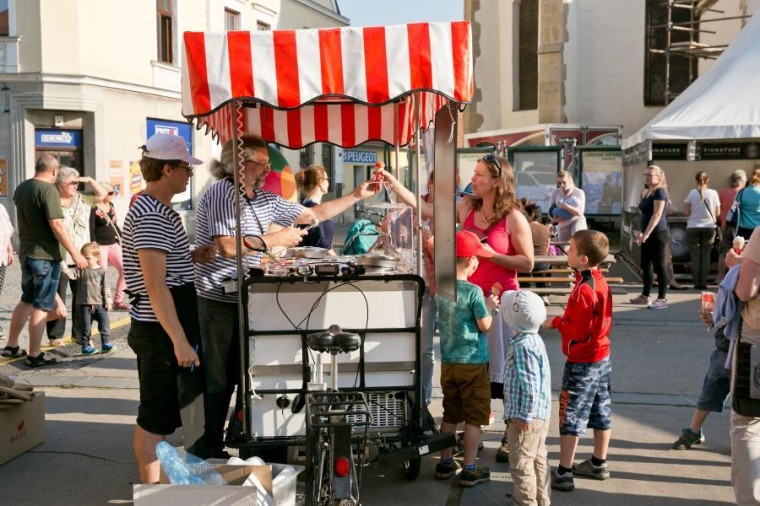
(653, 256)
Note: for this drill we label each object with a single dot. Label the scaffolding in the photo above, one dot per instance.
(682, 33)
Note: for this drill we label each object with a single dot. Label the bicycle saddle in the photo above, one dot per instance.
(333, 340)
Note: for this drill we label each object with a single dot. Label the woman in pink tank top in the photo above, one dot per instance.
(494, 216)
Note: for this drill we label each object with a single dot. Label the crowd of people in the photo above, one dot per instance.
(184, 325)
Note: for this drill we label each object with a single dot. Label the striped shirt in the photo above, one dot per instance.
(152, 225)
(527, 379)
(215, 217)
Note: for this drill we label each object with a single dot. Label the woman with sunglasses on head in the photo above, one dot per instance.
(494, 215)
(76, 219)
(567, 206)
(106, 232)
(654, 237)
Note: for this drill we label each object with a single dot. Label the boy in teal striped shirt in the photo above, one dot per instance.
(527, 397)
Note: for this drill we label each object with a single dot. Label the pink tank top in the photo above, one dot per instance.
(488, 272)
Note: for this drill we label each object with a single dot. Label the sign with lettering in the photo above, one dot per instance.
(357, 156)
(184, 200)
(669, 151)
(728, 151)
(57, 139)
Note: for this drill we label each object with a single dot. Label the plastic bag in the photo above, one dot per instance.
(185, 468)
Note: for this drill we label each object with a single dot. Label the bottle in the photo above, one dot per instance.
(173, 465)
(186, 469)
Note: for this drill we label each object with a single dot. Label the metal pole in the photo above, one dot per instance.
(418, 193)
(236, 121)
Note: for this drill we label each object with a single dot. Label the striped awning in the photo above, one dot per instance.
(345, 86)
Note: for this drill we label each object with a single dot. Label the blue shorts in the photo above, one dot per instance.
(584, 401)
(717, 384)
(39, 282)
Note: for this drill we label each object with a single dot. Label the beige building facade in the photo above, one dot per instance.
(90, 80)
(584, 62)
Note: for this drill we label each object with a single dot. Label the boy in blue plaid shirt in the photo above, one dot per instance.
(527, 397)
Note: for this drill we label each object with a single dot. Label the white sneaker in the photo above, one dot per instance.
(659, 304)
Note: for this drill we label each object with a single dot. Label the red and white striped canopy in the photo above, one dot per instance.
(345, 86)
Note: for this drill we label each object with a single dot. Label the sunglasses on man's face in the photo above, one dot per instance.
(492, 159)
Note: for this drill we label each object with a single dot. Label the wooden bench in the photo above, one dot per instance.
(565, 279)
(559, 278)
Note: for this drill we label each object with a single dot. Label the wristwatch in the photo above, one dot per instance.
(495, 311)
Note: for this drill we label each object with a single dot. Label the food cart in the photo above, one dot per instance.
(343, 86)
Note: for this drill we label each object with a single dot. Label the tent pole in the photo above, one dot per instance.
(418, 192)
(242, 294)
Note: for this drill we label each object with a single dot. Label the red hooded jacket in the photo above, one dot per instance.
(585, 326)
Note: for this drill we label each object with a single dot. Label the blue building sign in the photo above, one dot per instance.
(57, 139)
(184, 129)
(162, 126)
(357, 156)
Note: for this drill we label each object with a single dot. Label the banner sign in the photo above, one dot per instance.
(356, 156)
(57, 139)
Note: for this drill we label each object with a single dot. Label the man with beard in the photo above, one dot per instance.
(218, 312)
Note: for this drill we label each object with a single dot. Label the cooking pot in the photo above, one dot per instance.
(307, 252)
(378, 260)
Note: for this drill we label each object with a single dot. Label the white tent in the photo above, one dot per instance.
(724, 103)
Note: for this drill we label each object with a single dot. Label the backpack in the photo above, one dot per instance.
(360, 238)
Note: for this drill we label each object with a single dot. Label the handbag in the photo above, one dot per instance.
(746, 391)
(59, 310)
(718, 233)
(733, 215)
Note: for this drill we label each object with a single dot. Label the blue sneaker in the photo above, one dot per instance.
(89, 350)
(107, 347)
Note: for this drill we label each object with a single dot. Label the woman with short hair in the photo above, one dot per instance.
(76, 219)
(567, 206)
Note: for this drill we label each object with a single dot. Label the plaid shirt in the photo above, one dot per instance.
(527, 379)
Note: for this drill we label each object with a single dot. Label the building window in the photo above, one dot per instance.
(262, 27)
(662, 85)
(528, 55)
(4, 26)
(164, 14)
(231, 20)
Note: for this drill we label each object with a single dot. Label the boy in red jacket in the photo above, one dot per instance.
(585, 397)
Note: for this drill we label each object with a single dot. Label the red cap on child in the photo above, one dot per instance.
(469, 245)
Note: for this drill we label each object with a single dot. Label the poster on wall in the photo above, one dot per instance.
(602, 181)
(3, 177)
(536, 175)
(136, 182)
(184, 200)
(116, 177)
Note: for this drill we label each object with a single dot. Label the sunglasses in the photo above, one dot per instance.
(492, 159)
(187, 167)
(266, 165)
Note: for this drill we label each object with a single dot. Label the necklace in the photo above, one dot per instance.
(486, 220)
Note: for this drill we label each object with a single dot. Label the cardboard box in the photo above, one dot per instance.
(218, 495)
(22, 427)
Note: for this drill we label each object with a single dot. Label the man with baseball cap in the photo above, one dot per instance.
(158, 267)
(464, 362)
